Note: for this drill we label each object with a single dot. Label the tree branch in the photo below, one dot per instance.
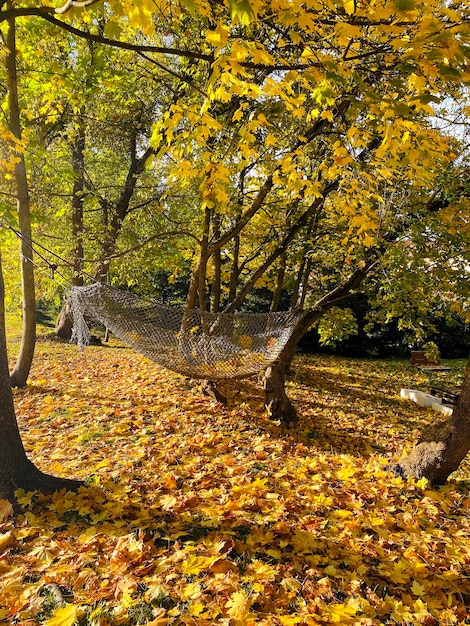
(317, 129)
(70, 4)
(47, 13)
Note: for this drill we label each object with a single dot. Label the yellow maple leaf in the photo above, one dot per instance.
(196, 609)
(160, 621)
(196, 564)
(192, 590)
(237, 115)
(417, 589)
(261, 571)
(63, 616)
(167, 502)
(342, 613)
(289, 620)
(271, 140)
(238, 606)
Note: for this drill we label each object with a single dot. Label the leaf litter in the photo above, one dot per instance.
(194, 513)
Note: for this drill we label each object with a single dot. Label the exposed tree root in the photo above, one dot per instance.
(209, 388)
(436, 455)
(32, 479)
(278, 405)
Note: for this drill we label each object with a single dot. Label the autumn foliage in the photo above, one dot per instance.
(198, 514)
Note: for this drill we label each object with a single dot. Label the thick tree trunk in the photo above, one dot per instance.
(16, 470)
(277, 403)
(20, 373)
(442, 447)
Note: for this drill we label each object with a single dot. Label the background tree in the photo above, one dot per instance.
(21, 370)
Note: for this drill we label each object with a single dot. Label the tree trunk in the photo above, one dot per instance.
(16, 470)
(276, 299)
(203, 260)
(297, 283)
(20, 373)
(112, 226)
(217, 271)
(277, 403)
(234, 270)
(304, 283)
(441, 447)
(120, 210)
(64, 322)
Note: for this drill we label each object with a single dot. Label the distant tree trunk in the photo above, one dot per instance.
(276, 299)
(234, 270)
(64, 322)
(20, 373)
(197, 289)
(299, 287)
(114, 216)
(297, 283)
(304, 283)
(441, 447)
(16, 470)
(217, 273)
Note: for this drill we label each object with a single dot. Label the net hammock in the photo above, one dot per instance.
(197, 344)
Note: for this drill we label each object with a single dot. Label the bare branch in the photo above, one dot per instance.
(142, 244)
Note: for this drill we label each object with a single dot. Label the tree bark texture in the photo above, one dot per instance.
(20, 373)
(441, 447)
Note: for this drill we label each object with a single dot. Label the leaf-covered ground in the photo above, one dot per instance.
(196, 514)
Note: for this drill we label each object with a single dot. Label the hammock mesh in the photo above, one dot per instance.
(188, 341)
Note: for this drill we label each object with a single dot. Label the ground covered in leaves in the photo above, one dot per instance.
(197, 514)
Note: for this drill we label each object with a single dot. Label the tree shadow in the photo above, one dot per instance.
(339, 411)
